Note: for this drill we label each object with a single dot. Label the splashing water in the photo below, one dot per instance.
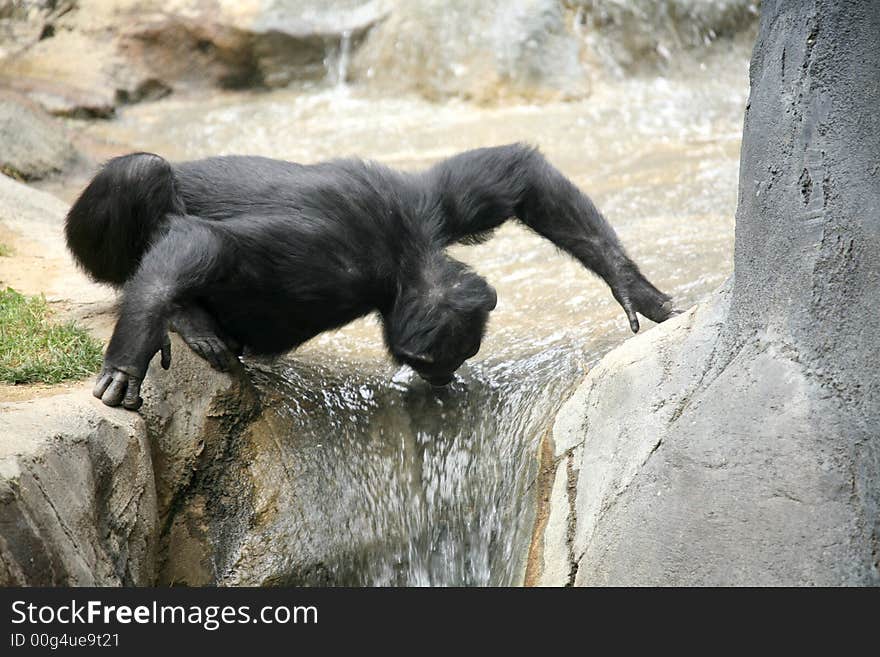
(423, 487)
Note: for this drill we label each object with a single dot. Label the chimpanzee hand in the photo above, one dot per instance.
(635, 293)
(121, 384)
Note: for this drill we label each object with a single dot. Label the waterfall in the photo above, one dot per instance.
(337, 61)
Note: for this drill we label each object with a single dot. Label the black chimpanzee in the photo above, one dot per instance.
(249, 252)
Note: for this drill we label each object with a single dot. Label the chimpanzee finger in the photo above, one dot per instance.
(203, 349)
(225, 357)
(630, 314)
(116, 390)
(166, 352)
(198, 349)
(104, 379)
(216, 354)
(132, 400)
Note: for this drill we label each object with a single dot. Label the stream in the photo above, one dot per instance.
(426, 487)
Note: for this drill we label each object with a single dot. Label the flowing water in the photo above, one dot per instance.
(428, 487)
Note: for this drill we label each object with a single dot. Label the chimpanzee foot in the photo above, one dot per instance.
(213, 350)
(201, 333)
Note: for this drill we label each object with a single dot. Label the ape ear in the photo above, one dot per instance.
(423, 358)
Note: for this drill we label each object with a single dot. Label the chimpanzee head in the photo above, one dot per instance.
(438, 319)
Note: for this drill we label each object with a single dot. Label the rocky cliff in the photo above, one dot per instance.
(740, 443)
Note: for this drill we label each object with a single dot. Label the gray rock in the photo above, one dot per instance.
(24, 23)
(75, 73)
(100, 55)
(32, 144)
(536, 49)
(635, 35)
(475, 50)
(255, 43)
(738, 444)
(77, 501)
(33, 222)
(85, 489)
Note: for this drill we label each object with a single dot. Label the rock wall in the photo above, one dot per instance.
(740, 443)
(475, 50)
(84, 58)
(631, 36)
(536, 49)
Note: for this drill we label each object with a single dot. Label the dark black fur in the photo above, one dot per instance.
(250, 252)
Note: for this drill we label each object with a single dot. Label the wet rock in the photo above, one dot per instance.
(88, 57)
(338, 480)
(537, 49)
(195, 419)
(481, 51)
(626, 36)
(103, 54)
(738, 444)
(32, 144)
(255, 43)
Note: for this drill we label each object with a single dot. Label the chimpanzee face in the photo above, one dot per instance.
(435, 332)
(453, 343)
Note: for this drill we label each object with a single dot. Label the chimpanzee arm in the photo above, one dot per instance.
(479, 190)
(182, 262)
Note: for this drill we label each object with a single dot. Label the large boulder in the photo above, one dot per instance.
(32, 144)
(84, 58)
(738, 444)
(77, 500)
(478, 51)
(629, 36)
(89, 494)
(98, 55)
(537, 49)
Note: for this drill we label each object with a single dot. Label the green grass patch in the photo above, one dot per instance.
(34, 349)
(5, 250)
